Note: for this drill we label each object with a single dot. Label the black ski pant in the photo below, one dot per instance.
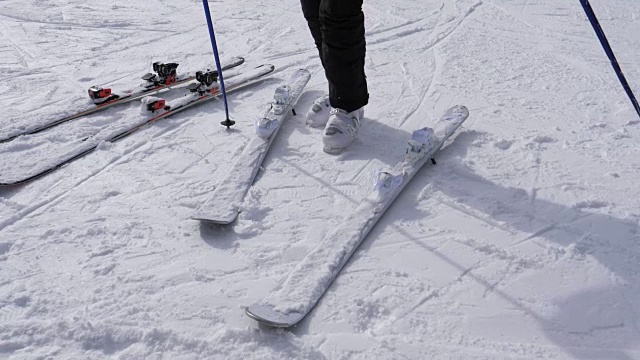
(337, 27)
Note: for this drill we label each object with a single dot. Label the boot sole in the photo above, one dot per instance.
(333, 151)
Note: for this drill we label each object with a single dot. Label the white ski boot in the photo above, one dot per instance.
(342, 128)
(319, 113)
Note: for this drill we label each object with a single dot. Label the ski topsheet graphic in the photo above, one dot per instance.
(301, 289)
(200, 93)
(165, 76)
(222, 205)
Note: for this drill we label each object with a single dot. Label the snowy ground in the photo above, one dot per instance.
(522, 243)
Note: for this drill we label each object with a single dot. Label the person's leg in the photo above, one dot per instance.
(319, 112)
(343, 52)
(311, 11)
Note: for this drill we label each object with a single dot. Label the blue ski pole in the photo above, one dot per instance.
(607, 48)
(228, 122)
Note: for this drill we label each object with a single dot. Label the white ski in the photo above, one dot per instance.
(222, 205)
(301, 289)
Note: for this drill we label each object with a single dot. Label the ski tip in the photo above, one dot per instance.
(302, 71)
(455, 115)
(217, 209)
(271, 67)
(214, 219)
(210, 221)
(459, 111)
(7, 139)
(267, 315)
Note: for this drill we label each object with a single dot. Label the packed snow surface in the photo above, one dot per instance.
(522, 243)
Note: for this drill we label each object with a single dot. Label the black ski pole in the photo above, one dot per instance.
(607, 48)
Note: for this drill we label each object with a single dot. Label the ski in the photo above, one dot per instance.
(222, 205)
(301, 289)
(164, 77)
(200, 93)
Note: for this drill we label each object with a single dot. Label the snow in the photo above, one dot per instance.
(522, 242)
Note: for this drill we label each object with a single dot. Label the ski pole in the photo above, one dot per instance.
(607, 48)
(228, 122)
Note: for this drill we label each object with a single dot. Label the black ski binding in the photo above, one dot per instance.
(204, 82)
(164, 73)
(165, 70)
(207, 78)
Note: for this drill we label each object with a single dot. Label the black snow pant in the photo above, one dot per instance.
(337, 27)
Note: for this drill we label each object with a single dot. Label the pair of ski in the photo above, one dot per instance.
(203, 89)
(164, 77)
(301, 289)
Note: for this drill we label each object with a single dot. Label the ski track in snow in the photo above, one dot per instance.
(520, 244)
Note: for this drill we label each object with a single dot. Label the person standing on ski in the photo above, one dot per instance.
(337, 27)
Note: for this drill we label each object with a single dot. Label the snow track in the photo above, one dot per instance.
(522, 243)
